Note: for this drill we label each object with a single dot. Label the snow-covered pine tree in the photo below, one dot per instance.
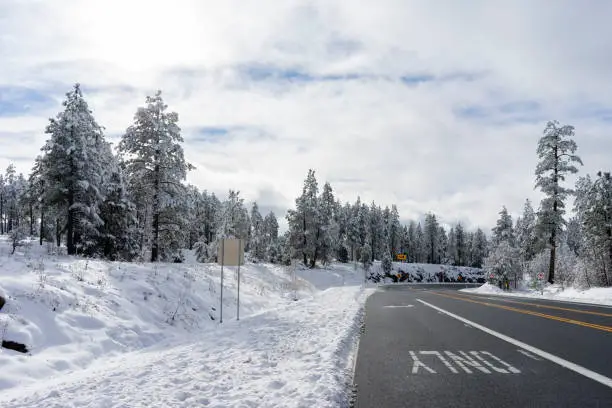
(469, 245)
(503, 262)
(461, 242)
(442, 246)
(387, 262)
(421, 245)
(118, 237)
(556, 151)
(594, 209)
(73, 172)
(155, 164)
(573, 235)
(504, 229)
(479, 249)
(451, 253)
(304, 222)
(366, 256)
(411, 242)
(395, 232)
(194, 207)
(328, 229)
(257, 237)
(376, 231)
(233, 218)
(431, 236)
(352, 232)
(526, 237)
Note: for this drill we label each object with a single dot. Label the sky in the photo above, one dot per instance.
(432, 106)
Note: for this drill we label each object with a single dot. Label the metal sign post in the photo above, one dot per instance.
(222, 258)
(231, 253)
(238, 290)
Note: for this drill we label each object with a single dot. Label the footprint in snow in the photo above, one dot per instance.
(276, 385)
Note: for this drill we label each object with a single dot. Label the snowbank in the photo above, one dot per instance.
(70, 312)
(601, 296)
(295, 356)
(439, 273)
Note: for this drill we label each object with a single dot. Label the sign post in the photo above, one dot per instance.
(540, 282)
(240, 249)
(231, 253)
(222, 258)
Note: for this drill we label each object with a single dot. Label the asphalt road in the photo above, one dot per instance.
(437, 347)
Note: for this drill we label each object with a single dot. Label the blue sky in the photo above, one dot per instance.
(433, 106)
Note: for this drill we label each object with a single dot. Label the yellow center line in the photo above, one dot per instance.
(529, 312)
(544, 306)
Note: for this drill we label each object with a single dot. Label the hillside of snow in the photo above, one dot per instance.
(127, 334)
(416, 272)
(70, 311)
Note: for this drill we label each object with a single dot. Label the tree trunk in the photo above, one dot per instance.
(304, 239)
(31, 220)
(42, 223)
(553, 234)
(70, 244)
(155, 246)
(1, 214)
(58, 233)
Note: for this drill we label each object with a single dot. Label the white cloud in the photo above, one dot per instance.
(371, 135)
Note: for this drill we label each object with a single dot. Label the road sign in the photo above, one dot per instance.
(230, 253)
(491, 276)
(540, 276)
(401, 257)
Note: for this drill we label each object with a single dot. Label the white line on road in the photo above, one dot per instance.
(398, 306)
(529, 355)
(558, 360)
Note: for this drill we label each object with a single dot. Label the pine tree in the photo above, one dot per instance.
(503, 262)
(118, 238)
(395, 232)
(526, 234)
(594, 210)
(73, 172)
(431, 233)
(421, 245)
(155, 163)
(556, 153)
(257, 238)
(460, 239)
(504, 229)
(304, 222)
(376, 232)
(479, 249)
(328, 228)
(442, 246)
(352, 229)
(233, 218)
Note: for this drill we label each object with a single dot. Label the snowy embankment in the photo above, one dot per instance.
(105, 333)
(601, 296)
(438, 273)
(296, 356)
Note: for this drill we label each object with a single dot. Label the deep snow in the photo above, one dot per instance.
(601, 296)
(127, 334)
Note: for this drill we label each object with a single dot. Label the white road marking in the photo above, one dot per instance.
(466, 360)
(441, 357)
(529, 355)
(398, 306)
(500, 370)
(418, 363)
(551, 357)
